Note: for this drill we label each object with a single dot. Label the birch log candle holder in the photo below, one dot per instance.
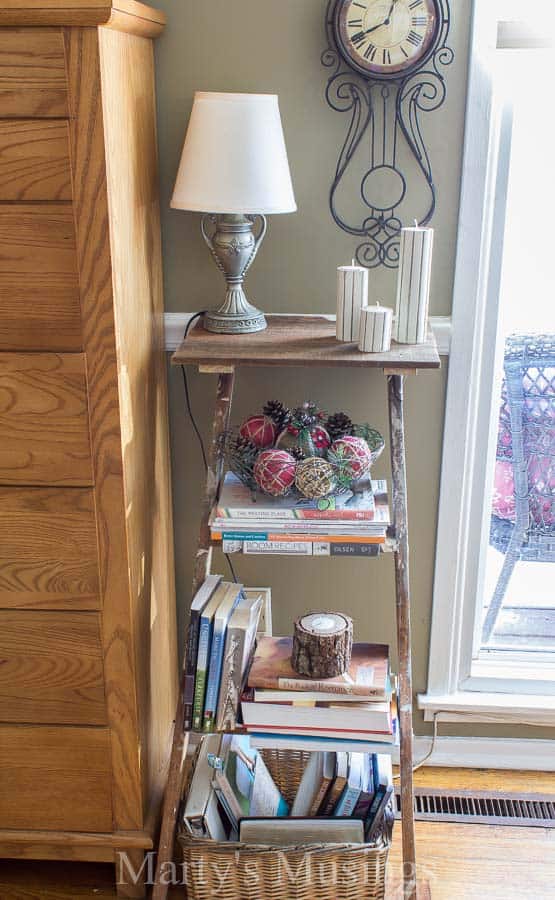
(322, 644)
(413, 285)
(375, 329)
(352, 295)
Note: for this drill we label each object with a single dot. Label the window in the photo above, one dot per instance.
(492, 654)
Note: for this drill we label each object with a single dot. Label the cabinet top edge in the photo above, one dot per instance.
(124, 15)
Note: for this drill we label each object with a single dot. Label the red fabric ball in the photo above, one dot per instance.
(320, 437)
(274, 471)
(259, 430)
(354, 454)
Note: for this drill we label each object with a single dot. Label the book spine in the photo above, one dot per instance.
(214, 674)
(350, 549)
(347, 802)
(293, 537)
(302, 684)
(230, 687)
(277, 548)
(331, 515)
(332, 799)
(363, 805)
(190, 667)
(223, 512)
(204, 638)
(320, 796)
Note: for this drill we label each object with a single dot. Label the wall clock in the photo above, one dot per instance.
(387, 59)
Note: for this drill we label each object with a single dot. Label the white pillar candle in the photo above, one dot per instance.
(352, 295)
(413, 285)
(375, 329)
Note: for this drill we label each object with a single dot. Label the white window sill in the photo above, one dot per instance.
(473, 706)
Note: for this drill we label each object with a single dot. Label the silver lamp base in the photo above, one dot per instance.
(234, 245)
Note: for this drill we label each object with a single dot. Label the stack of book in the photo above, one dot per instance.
(232, 795)
(358, 706)
(359, 785)
(230, 782)
(222, 629)
(348, 524)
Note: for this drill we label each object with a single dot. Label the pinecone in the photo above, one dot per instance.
(242, 446)
(241, 457)
(297, 453)
(278, 413)
(339, 425)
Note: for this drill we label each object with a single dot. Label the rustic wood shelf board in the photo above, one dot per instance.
(298, 341)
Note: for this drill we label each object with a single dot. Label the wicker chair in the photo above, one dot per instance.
(525, 530)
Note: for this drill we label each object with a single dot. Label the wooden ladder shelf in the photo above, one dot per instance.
(305, 341)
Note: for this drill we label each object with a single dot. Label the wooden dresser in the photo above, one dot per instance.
(87, 606)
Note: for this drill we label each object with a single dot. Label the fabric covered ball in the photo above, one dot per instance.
(315, 477)
(353, 455)
(274, 472)
(259, 430)
(313, 440)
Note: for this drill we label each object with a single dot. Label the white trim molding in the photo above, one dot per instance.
(176, 323)
(456, 690)
(490, 708)
(487, 753)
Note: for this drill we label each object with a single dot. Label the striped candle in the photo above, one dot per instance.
(375, 329)
(352, 295)
(413, 285)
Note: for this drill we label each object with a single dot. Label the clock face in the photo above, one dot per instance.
(386, 38)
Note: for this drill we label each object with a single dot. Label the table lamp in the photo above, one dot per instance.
(234, 169)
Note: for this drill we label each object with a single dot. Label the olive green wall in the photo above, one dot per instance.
(274, 46)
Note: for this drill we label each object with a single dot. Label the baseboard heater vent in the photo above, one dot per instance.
(481, 807)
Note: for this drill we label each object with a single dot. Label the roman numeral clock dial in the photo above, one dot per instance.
(386, 38)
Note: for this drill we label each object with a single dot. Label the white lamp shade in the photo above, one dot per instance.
(234, 158)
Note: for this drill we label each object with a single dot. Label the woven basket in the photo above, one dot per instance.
(238, 871)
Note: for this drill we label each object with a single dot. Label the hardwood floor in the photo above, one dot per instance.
(456, 862)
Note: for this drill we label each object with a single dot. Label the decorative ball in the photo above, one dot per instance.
(259, 430)
(315, 477)
(372, 437)
(274, 472)
(353, 455)
(313, 440)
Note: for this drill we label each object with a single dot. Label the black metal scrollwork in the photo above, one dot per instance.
(388, 115)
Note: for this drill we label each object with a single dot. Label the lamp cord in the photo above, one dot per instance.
(194, 423)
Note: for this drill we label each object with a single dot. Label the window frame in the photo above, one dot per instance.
(458, 687)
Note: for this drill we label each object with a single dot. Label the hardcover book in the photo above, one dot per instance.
(351, 792)
(368, 717)
(367, 675)
(314, 784)
(311, 743)
(281, 832)
(367, 792)
(234, 592)
(200, 600)
(238, 501)
(203, 654)
(338, 784)
(239, 642)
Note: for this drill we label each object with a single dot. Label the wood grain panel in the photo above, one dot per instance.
(124, 15)
(44, 437)
(34, 160)
(48, 556)
(39, 287)
(96, 278)
(51, 668)
(54, 778)
(127, 68)
(299, 341)
(32, 73)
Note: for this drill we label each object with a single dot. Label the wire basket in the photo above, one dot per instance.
(238, 871)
